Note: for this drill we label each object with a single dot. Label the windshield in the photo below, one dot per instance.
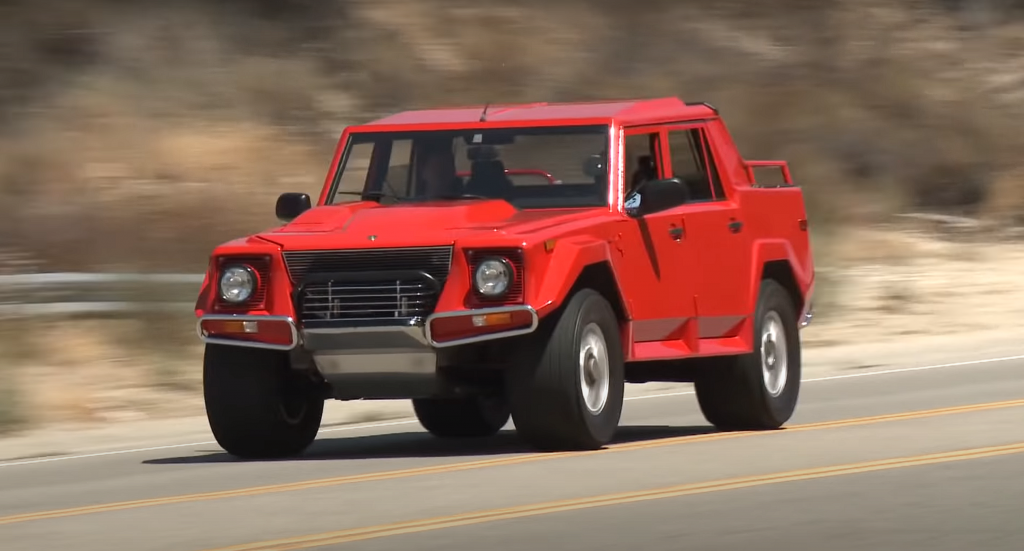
(531, 168)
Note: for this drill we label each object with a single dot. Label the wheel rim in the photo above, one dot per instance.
(594, 369)
(774, 364)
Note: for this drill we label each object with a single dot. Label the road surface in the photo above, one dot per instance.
(926, 459)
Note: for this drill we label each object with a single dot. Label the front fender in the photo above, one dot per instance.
(563, 266)
(278, 285)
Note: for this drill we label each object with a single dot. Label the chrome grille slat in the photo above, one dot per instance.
(339, 294)
(363, 306)
(385, 290)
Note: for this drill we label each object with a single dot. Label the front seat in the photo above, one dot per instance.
(488, 179)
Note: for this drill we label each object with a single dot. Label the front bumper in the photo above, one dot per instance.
(807, 315)
(373, 361)
(265, 331)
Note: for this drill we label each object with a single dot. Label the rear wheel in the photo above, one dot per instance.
(257, 406)
(757, 391)
(472, 417)
(568, 394)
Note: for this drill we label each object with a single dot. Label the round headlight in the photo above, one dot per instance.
(237, 284)
(493, 277)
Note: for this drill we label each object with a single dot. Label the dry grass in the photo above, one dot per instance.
(136, 136)
(98, 369)
(884, 284)
(122, 122)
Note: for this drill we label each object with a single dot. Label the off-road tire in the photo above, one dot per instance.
(257, 406)
(545, 387)
(733, 394)
(471, 417)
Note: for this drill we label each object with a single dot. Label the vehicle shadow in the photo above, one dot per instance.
(422, 445)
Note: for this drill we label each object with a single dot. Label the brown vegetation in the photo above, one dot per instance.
(137, 135)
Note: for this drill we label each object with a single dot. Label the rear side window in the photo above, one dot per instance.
(693, 163)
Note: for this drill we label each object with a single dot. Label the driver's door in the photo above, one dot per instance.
(655, 254)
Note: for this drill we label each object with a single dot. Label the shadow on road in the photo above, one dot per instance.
(423, 445)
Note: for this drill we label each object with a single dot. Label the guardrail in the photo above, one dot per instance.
(77, 293)
(95, 293)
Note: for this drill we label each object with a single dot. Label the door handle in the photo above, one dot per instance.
(676, 233)
(735, 226)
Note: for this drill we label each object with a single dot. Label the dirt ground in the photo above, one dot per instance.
(880, 285)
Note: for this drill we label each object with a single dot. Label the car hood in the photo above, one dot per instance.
(368, 224)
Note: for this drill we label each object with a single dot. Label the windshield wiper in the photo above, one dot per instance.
(370, 194)
(455, 197)
(375, 193)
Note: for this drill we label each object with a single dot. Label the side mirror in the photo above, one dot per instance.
(291, 205)
(656, 195)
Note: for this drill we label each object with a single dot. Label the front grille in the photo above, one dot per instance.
(368, 285)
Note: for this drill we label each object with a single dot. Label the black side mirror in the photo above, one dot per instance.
(656, 195)
(291, 205)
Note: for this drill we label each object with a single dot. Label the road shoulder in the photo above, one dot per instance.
(964, 350)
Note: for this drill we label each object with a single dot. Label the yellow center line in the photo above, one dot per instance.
(423, 525)
(472, 465)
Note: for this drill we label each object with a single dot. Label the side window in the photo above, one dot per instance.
(375, 166)
(398, 169)
(356, 169)
(641, 159)
(643, 163)
(693, 163)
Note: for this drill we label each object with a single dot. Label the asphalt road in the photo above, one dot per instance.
(929, 459)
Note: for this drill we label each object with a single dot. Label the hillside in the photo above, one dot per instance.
(136, 135)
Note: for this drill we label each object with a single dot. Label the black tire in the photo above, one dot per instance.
(472, 417)
(733, 395)
(257, 406)
(545, 388)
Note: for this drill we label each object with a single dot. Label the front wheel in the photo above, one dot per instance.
(472, 417)
(568, 395)
(257, 406)
(757, 391)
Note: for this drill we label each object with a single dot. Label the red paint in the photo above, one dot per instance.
(688, 281)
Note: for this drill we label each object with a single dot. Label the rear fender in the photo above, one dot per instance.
(772, 251)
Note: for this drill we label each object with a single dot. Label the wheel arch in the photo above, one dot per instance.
(600, 277)
(775, 259)
(781, 271)
(576, 264)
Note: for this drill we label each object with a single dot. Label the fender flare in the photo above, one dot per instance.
(767, 251)
(569, 259)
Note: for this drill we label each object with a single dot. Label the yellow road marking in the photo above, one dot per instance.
(380, 531)
(471, 465)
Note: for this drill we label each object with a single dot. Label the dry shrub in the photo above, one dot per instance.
(105, 366)
(138, 136)
(1005, 201)
(14, 351)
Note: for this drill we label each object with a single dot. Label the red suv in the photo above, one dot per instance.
(515, 260)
